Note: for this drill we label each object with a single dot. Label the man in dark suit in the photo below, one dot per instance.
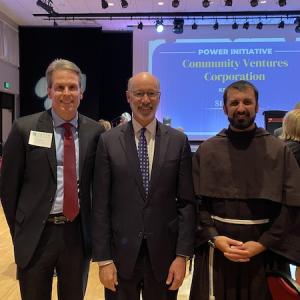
(143, 212)
(47, 156)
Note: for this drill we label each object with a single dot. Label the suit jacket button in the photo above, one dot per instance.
(44, 221)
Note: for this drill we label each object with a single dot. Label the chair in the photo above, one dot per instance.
(273, 119)
(282, 286)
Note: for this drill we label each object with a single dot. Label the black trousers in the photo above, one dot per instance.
(60, 248)
(142, 282)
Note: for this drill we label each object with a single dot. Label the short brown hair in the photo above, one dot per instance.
(62, 64)
(240, 86)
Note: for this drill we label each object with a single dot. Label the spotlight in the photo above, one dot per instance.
(140, 26)
(178, 26)
(297, 23)
(246, 25)
(175, 3)
(159, 25)
(228, 2)
(124, 3)
(216, 25)
(235, 25)
(205, 3)
(259, 25)
(281, 24)
(47, 6)
(104, 4)
(282, 2)
(254, 3)
(194, 26)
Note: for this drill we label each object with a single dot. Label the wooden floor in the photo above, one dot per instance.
(9, 289)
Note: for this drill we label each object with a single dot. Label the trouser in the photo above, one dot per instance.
(142, 282)
(60, 248)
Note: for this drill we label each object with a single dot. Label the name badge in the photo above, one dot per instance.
(41, 139)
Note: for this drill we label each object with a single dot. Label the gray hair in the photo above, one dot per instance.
(291, 126)
(62, 64)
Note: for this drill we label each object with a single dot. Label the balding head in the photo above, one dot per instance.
(143, 95)
(142, 76)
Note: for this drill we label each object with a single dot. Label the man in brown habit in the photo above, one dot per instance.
(247, 184)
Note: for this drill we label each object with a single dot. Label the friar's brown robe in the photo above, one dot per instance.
(246, 175)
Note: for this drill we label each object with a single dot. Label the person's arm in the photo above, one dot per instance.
(185, 203)
(283, 233)
(101, 222)
(12, 174)
(186, 218)
(205, 228)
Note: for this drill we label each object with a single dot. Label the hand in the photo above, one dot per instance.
(176, 273)
(108, 276)
(254, 248)
(232, 249)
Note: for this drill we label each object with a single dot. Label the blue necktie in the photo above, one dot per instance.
(144, 160)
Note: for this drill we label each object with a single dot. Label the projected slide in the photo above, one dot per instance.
(194, 73)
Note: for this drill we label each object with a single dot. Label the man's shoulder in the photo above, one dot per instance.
(29, 121)
(31, 118)
(174, 133)
(220, 137)
(92, 124)
(115, 132)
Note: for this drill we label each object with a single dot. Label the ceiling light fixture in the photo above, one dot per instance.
(124, 3)
(282, 2)
(297, 23)
(246, 25)
(259, 25)
(228, 2)
(159, 25)
(104, 4)
(281, 24)
(235, 25)
(205, 3)
(140, 25)
(47, 6)
(216, 25)
(254, 3)
(194, 26)
(175, 3)
(178, 26)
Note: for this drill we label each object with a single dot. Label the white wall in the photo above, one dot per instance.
(9, 54)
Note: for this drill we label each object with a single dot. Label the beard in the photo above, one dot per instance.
(241, 124)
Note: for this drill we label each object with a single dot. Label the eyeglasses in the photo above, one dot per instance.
(150, 94)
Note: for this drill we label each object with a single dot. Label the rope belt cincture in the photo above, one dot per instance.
(212, 249)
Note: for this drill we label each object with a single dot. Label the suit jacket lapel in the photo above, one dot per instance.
(161, 146)
(45, 124)
(127, 140)
(83, 142)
